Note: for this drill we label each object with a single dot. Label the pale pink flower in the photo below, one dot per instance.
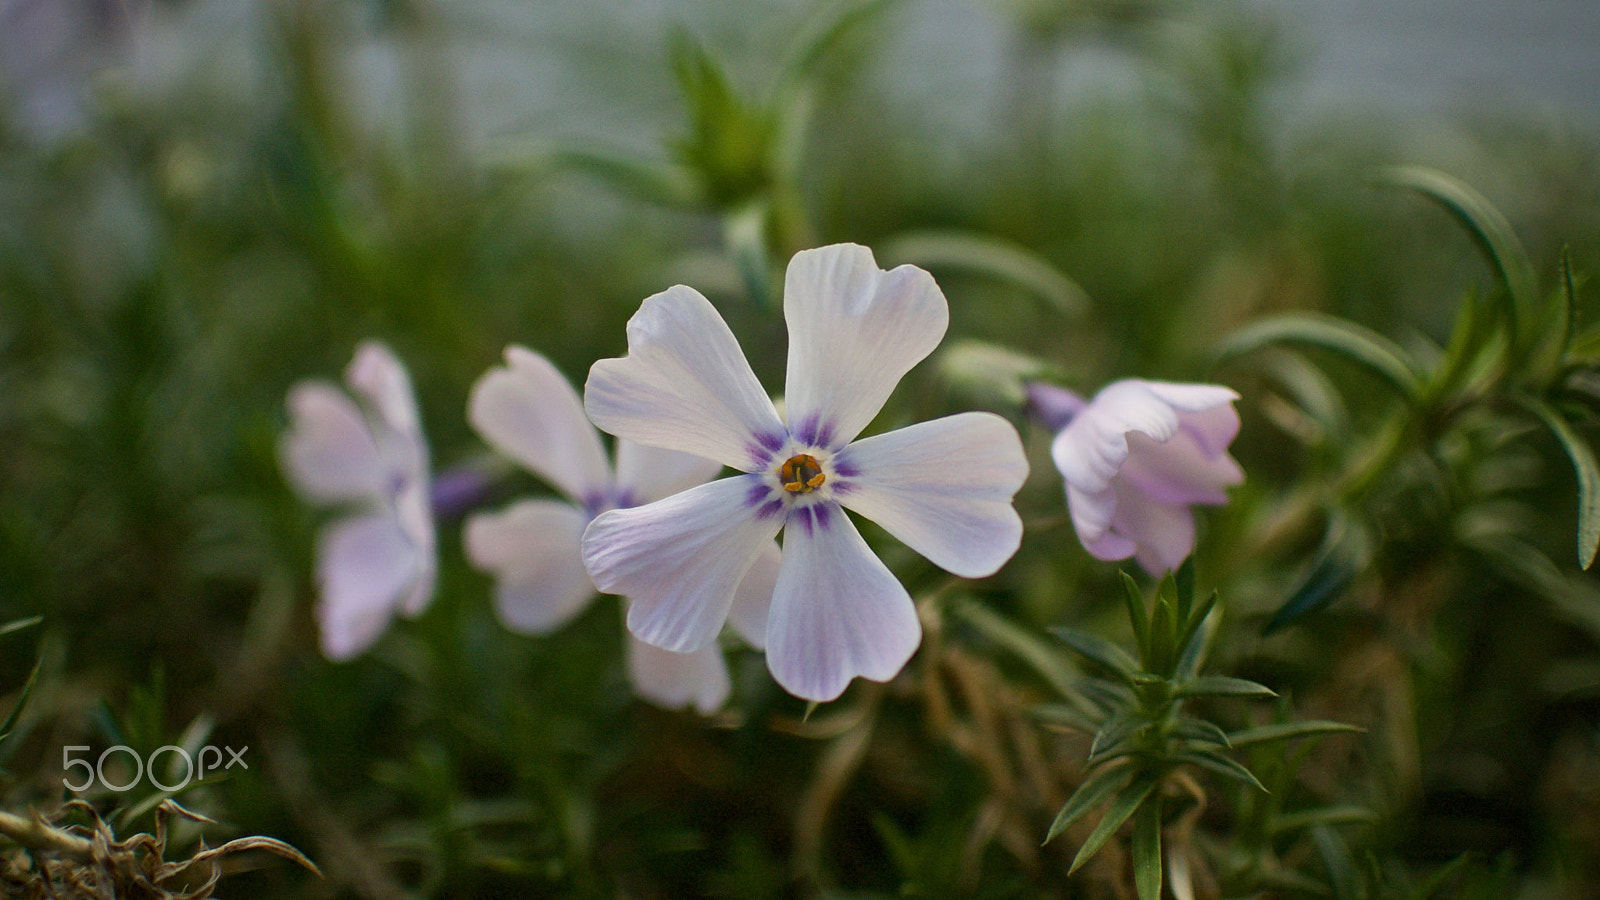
(370, 454)
(529, 412)
(943, 487)
(1135, 458)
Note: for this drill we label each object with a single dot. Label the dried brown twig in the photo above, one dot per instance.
(88, 861)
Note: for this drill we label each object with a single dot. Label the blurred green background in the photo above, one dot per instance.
(202, 202)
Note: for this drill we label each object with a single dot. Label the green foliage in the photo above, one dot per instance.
(233, 208)
(1144, 736)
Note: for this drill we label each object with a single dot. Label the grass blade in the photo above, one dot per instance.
(1263, 734)
(1365, 347)
(1222, 686)
(1489, 229)
(1120, 810)
(1095, 789)
(1147, 850)
(1099, 650)
(1588, 472)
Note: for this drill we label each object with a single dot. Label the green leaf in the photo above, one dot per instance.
(1094, 789)
(997, 258)
(674, 187)
(1264, 734)
(1183, 582)
(1436, 881)
(1365, 347)
(1063, 714)
(1588, 475)
(1163, 638)
(1214, 761)
(1289, 880)
(1325, 815)
(1099, 650)
(1121, 808)
(1344, 551)
(1136, 614)
(1113, 740)
(19, 625)
(1189, 652)
(1574, 598)
(1489, 229)
(1039, 654)
(1147, 850)
(1222, 686)
(1200, 731)
(22, 702)
(824, 33)
(1341, 866)
(1557, 322)
(990, 374)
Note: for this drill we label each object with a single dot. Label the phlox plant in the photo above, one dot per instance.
(834, 494)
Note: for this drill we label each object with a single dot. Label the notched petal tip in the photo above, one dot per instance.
(838, 613)
(684, 385)
(528, 411)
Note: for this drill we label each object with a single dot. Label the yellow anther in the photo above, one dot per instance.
(801, 474)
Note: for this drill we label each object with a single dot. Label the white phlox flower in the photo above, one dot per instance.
(369, 454)
(1135, 458)
(943, 487)
(528, 411)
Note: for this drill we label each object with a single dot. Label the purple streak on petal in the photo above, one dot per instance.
(806, 431)
(814, 432)
(825, 435)
(772, 508)
(758, 494)
(803, 516)
(595, 503)
(456, 491)
(761, 449)
(842, 488)
(1051, 406)
(843, 468)
(823, 514)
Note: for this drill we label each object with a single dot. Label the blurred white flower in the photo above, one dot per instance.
(529, 412)
(1135, 458)
(371, 454)
(943, 487)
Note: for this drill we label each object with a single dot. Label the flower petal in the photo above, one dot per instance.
(1091, 449)
(532, 550)
(1091, 519)
(529, 411)
(753, 599)
(1205, 411)
(943, 487)
(329, 454)
(674, 680)
(364, 563)
(837, 611)
(1179, 471)
(854, 332)
(1052, 406)
(647, 474)
(685, 385)
(679, 560)
(1163, 532)
(382, 381)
